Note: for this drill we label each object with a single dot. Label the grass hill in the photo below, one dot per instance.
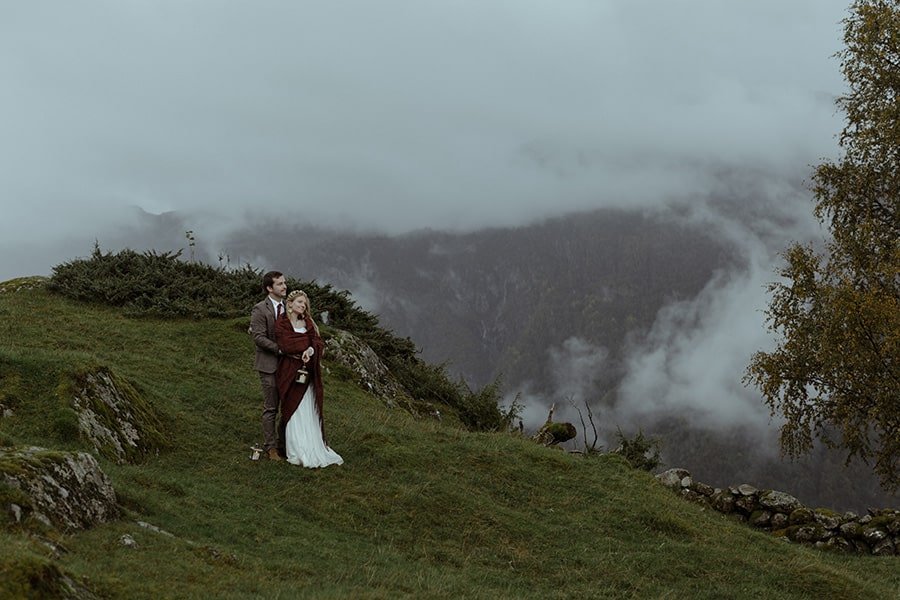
(420, 509)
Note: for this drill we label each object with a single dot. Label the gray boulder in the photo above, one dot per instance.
(779, 521)
(692, 496)
(746, 504)
(673, 477)
(874, 536)
(723, 501)
(702, 488)
(114, 418)
(851, 530)
(366, 367)
(807, 534)
(761, 518)
(66, 490)
(827, 519)
(779, 502)
(839, 543)
(745, 489)
(553, 433)
(802, 516)
(884, 548)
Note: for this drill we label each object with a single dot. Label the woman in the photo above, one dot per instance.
(301, 402)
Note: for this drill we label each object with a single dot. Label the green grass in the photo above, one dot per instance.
(420, 509)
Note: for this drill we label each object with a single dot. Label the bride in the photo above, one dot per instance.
(298, 338)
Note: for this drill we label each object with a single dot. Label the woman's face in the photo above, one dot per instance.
(298, 306)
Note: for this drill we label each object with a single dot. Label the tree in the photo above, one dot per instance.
(835, 373)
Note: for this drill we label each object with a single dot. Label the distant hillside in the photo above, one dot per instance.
(491, 301)
(421, 508)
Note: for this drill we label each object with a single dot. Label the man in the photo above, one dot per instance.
(262, 328)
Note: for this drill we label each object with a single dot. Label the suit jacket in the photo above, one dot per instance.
(262, 328)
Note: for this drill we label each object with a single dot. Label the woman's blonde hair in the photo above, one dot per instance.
(296, 294)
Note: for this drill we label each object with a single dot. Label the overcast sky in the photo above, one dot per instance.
(394, 115)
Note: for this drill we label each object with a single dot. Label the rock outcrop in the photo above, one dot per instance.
(367, 369)
(66, 490)
(877, 533)
(22, 283)
(114, 418)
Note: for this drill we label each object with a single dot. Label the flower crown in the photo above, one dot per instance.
(296, 293)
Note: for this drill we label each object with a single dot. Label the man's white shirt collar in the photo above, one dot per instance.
(275, 305)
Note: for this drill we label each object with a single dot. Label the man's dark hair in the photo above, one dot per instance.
(269, 280)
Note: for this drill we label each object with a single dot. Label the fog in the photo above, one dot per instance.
(393, 116)
(692, 361)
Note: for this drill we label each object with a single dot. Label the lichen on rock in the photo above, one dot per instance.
(22, 283)
(672, 478)
(778, 501)
(67, 490)
(370, 372)
(113, 417)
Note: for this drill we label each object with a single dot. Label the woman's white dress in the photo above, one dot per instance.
(303, 436)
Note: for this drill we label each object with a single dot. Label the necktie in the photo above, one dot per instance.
(280, 310)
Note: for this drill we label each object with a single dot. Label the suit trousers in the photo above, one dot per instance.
(272, 437)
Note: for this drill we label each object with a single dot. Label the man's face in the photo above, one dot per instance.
(278, 288)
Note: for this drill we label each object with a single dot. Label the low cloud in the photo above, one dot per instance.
(394, 116)
(692, 362)
(576, 366)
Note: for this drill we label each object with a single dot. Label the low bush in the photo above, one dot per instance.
(640, 451)
(161, 285)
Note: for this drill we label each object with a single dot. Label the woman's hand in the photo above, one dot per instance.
(307, 354)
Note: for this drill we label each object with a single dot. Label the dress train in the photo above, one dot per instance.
(303, 437)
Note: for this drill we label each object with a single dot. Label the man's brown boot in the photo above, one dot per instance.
(272, 454)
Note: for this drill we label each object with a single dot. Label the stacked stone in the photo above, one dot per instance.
(876, 533)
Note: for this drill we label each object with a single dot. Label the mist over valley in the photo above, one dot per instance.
(648, 316)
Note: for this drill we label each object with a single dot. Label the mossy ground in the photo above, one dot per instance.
(89, 383)
(420, 509)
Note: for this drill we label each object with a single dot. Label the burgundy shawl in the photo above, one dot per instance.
(293, 344)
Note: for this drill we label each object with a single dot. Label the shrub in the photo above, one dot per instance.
(640, 451)
(477, 410)
(480, 410)
(156, 284)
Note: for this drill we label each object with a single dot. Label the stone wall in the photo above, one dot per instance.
(783, 515)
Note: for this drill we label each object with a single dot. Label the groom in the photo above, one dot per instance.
(262, 328)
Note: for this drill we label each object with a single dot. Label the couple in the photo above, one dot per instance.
(287, 339)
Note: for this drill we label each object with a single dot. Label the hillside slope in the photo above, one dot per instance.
(419, 509)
